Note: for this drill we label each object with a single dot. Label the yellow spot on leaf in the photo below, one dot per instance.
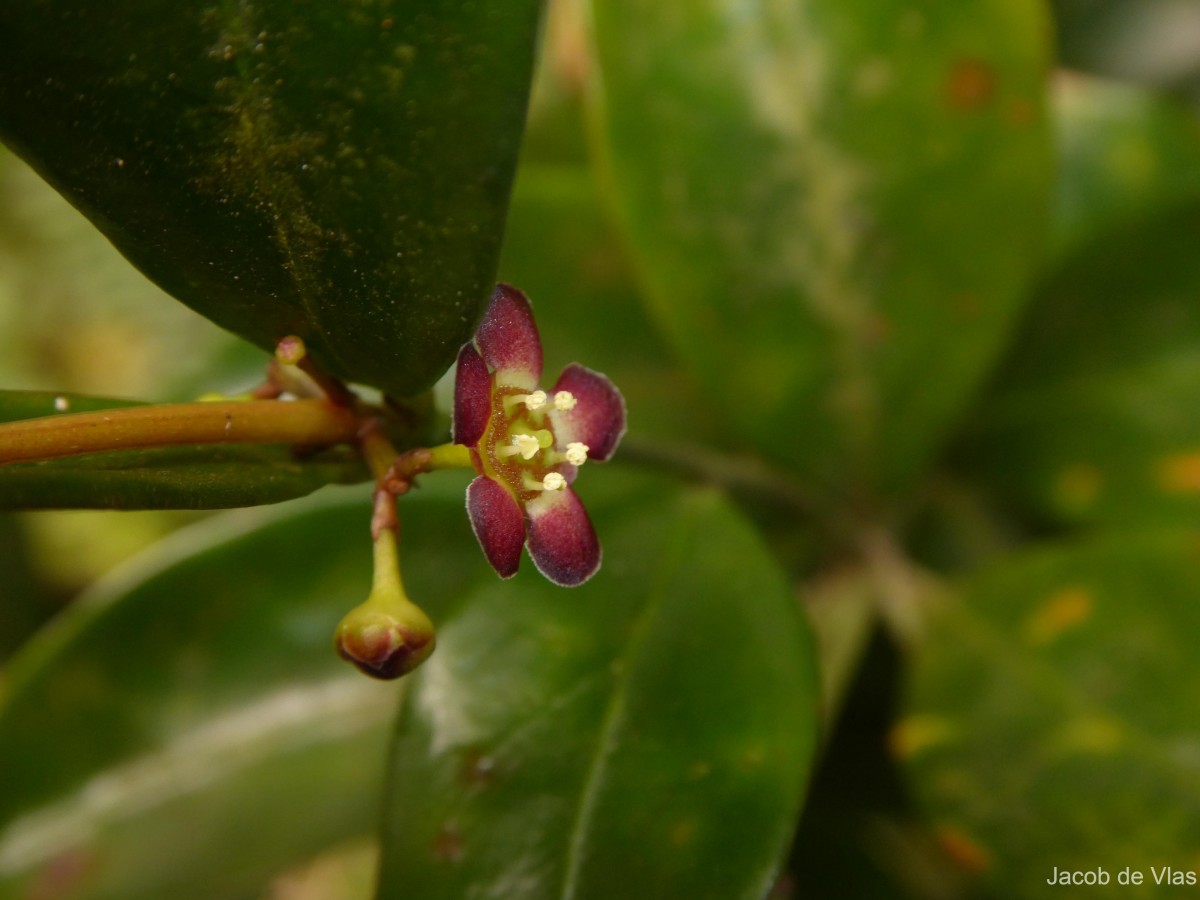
(753, 758)
(964, 851)
(970, 85)
(1179, 474)
(683, 832)
(1133, 161)
(967, 306)
(1078, 486)
(1092, 734)
(1020, 113)
(1064, 610)
(916, 733)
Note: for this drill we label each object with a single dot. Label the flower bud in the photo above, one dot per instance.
(385, 639)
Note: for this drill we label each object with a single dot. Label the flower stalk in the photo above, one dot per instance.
(387, 635)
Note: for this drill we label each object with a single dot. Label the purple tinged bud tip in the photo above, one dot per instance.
(385, 644)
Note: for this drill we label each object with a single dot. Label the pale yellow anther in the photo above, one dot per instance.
(577, 452)
(554, 482)
(564, 401)
(526, 444)
(536, 400)
(532, 401)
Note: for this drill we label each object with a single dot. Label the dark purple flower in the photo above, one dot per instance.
(527, 444)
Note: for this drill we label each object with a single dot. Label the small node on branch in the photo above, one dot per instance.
(291, 350)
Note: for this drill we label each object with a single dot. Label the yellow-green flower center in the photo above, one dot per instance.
(518, 449)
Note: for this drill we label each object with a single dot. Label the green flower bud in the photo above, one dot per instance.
(385, 639)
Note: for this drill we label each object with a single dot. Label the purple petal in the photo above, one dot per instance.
(498, 524)
(472, 397)
(598, 418)
(508, 339)
(562, 542)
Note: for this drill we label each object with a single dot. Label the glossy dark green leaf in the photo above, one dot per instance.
(646, 735)
(176, 478)
(212, 477)
(1051, 719)
(834, 207)
(1125, 154)
(1093, 416)
(77, 317)
(337, 171)
(186, 730)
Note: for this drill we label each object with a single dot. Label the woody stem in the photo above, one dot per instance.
(305, 422)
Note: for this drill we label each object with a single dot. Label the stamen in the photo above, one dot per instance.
(525, 444)
(564, 401)
(533, 401)
(577, 453)
(553, 481)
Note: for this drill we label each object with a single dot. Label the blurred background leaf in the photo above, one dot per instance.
(833, 211)
(1125, 153)
(1093, 417)
(1049, 721)
(647, 735)
(341, 173)
(1154, 42)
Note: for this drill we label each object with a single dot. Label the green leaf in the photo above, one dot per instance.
(1050, 721)
(1093, 416)
(204, 477)
(1125, 154)
(646, 735)
(207, 477)
(337, 171)
(187, 730)
(834, 208)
